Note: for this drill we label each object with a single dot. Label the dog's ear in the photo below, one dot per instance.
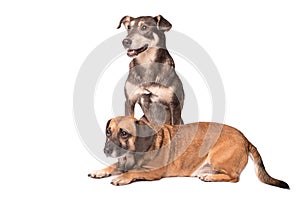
(107, 124)
(145, 136)
(162, 23)
(125, 21)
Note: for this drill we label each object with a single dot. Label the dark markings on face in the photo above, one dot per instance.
(149, 35)
(123, 137)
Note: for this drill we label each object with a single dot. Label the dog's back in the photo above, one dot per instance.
(213, 152)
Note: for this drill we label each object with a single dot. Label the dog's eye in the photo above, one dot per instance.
(124, 134)
(144, 27)
(108, 132)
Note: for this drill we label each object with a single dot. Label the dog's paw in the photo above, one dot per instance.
(98, 174)
(205, 177)
(121, 180)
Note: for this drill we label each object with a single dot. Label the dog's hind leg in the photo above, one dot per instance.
(175, 111)
(209, 174)
(226, 165)
(218, 177)
(175, 114)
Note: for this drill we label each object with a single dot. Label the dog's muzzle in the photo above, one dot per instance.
(133, 52)
(113, 150)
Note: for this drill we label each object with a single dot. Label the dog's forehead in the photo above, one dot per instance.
(126, 123)
(148, 20)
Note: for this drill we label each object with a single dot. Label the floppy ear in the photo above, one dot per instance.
(145, 136)
(125, 21)
(162, 23)
(107, 124)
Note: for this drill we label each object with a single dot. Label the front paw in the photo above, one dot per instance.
(121, 180)
(98, 174)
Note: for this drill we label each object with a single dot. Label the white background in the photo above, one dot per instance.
(254, 44)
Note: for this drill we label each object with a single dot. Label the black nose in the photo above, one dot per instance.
(107, 151)
(126, 42)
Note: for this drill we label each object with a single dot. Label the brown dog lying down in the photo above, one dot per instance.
(210, 151)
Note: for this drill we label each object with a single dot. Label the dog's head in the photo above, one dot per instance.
(144, 32)
(126, 134)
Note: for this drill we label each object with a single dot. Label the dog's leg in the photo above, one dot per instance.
(172, 114)
(209, 174)
(219, 178)
(130, 162)
(106, 172)
(225, 166)
(121, 163)
(132, 176)
(129, 107)
(175, 113)
(145, 104)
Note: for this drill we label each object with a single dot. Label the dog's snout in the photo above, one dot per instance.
(126, 42)
(109, 148)
(107, 151)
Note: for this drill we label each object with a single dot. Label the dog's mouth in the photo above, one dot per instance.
(135, 52)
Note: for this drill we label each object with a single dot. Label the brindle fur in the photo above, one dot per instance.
(152, 81)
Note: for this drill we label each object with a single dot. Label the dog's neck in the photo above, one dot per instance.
(155, 156)
(153, 55)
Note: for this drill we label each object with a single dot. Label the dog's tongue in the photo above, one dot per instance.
(132, 52)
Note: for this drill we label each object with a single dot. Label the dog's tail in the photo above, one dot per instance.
(261, 172)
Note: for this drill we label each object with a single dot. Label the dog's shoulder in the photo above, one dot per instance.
(163, 56)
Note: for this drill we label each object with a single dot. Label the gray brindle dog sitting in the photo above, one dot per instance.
(152, 81)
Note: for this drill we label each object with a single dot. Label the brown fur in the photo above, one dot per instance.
(210, 151)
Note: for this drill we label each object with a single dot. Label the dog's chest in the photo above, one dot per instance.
(133, 90)
(154, 91)
(151, 73)
(153, 80)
